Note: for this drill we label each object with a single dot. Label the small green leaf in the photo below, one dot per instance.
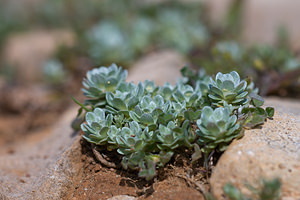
(118, 104)
(81, 105)
(256, 99)
(197, 153)
(254, 120)
(233, 193)
(270, 111)
(147, 118)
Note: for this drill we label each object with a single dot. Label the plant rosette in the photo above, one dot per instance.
(147, 124)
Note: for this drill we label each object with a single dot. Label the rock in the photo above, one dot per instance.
(290, 106)
(18, 100)
(268, 152)
(27, 52)
(163, 1)
(261, 20)
(217, 10)
(163, 66)
(59, 177)
(41, 164)
(122, 197)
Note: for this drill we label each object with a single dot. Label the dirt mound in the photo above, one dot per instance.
(97, 182)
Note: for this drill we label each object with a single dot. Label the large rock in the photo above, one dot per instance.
(290, 106)
(27, 52)
(268, 152)
(41, 165)
(217, 10)
(261, 20)
(122, 197)
(163, 66)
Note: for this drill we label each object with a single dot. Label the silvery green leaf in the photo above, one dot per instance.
(147, 119)
(270, 111)
(166, 93)
(96, 126)
(236, 77)
(197, 153)
(256, 99)
(90, 118)
(192, 115)
(216, 91)
(133, 101)
(228, 85)
(134, 116)
(241, 86)
(140, 90)
(99, 113)
(134, 126)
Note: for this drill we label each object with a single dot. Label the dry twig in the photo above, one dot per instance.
(190, 182)
(102, 160)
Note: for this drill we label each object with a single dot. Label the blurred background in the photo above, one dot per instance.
(46, 47)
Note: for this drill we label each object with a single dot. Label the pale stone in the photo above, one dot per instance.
(267, 152)
(217, 10)
(122, 197)
(163, 66)
(27, 52)
(41, 167)
(290, 106)
(261, 20)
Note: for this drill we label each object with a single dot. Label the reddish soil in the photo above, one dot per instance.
(97, 182)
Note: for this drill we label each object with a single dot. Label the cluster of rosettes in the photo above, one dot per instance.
(145, 123)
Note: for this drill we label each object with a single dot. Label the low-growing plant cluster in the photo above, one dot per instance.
(267, 190)
(146, 123)
(276, 70)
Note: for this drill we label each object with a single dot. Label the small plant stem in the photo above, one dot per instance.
(210, 155)
(81, 105)
(102, 160)
(206, 161)
(190, 181)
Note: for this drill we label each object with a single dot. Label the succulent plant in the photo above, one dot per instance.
(53, 72)
(107, 42)
(217, 128)
(186, 94)
(267, 190)
(129, 139)
(177, 30)
(146, 124)
(229, 50)
(166, 91)
(100, 80)
(148, 109)
(125, 98)
(96, 126)
(169, 138)
(228, 88)
(150, 88)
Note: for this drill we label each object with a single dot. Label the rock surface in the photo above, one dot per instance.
(27, 52)
(34, 169)
(261, 20)
(122, 197)
(160, 66)
(268, 152)
(290, 106)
